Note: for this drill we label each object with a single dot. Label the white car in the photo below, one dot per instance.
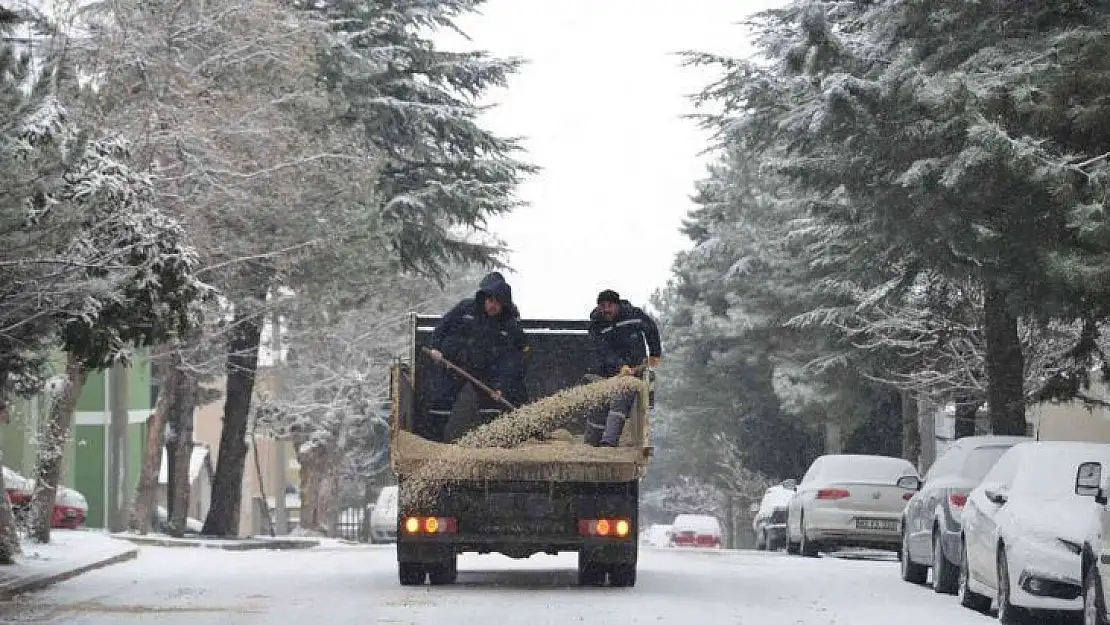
(847, 500)
(383, 519)
(657, 535)
(1024, 528)
(697, 530)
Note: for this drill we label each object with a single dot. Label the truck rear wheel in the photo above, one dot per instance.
(444, 573)
(590, 573)
(623, 575)
(411, 573)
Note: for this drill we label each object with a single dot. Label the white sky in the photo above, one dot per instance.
(599, 105)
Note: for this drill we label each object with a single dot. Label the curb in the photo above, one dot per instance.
(39, 582)
(233, 544)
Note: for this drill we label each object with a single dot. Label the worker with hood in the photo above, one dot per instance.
(483, 336)
(626, 341)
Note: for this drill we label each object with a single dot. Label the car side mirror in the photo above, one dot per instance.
(790, 484)
(909, 482)
(1088, 481)
(996, 496)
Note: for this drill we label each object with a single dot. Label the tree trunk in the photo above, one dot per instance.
(312, 479)
(227, 485)
(146, 493)
(179, 452)
(927, 434)
(53, 436)
(966, 410)
(911, 431)
(1005, 366)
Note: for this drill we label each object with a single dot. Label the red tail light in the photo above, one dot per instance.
(606, 528)
(907, 496)
(833, 493)
(414, 525)
(958, 500)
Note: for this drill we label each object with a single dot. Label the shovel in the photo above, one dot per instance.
(473, 380)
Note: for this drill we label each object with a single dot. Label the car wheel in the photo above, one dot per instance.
(808, 547)
(1093, 608)
(912, 572)
(946, 575)
(1008, 613)
(761, 541)
(969, 598)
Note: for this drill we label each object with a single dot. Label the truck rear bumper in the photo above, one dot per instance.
(438, 549)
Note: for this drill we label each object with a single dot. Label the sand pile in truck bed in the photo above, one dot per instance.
(499, 439)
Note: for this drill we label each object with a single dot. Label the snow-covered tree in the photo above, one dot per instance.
(924, 133)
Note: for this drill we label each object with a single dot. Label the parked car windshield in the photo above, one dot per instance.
(980, 461)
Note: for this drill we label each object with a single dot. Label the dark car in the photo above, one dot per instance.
(769, 523)
(931, 522)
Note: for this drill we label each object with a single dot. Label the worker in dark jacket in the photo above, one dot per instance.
(624, 337)
(483, 336)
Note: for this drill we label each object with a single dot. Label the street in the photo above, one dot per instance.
(339, 585)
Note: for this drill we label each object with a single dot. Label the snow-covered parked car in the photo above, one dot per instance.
(1024, 528)
(71, 509)
(931, 522)
(848, 500)
(657, 535)
(770, 518)
(383, 518)
(697, 530)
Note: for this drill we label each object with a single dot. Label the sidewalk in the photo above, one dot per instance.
(227, 544)
(69, 554)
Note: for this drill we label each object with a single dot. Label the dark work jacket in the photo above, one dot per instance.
(621, 341)
(489, 348)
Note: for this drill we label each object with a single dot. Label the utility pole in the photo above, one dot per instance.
(117, 507)
(280, 510)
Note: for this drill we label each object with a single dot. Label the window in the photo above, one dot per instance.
(1004, 471)
(981, 460)
(947, 463)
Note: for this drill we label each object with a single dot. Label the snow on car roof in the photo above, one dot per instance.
(775, 497)
(697, 523)
(861, 467)
(1048, 469)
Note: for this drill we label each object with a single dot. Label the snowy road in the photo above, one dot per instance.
(357, 585)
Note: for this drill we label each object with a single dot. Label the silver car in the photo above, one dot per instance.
(383, 518)
(847, 500)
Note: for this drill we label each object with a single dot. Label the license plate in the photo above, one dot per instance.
(882, 525)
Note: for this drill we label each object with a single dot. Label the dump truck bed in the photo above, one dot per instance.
(559, 354)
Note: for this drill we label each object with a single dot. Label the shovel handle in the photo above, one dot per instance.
(473, 380)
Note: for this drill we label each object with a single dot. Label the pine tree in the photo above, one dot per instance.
(927, 127)
(416, 106)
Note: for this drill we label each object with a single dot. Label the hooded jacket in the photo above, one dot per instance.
(620, 341)
(491, 348)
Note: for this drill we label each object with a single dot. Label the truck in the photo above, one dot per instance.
(546, 496)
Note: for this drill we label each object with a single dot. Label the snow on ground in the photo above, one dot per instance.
(340, 585)
(67, 549)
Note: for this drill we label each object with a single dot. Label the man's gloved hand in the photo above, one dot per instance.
(654, 361)
(627, 370)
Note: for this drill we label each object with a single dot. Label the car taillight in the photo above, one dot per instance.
(608, 528)
(907, 496)
(414, 525)
(833, 493)
(957, 500)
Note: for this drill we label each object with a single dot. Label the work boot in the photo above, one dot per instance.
(614, 424)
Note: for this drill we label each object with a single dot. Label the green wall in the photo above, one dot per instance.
(89, 478)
